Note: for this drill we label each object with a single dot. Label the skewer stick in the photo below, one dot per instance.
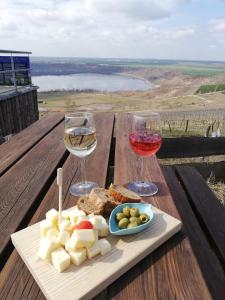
(59, 182)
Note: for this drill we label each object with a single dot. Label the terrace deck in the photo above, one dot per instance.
(191, 265)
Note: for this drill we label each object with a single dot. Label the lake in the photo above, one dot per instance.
(100, 82)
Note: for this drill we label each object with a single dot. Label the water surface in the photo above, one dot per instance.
(100, 82)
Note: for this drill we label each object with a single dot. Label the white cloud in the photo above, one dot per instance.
(217, 24)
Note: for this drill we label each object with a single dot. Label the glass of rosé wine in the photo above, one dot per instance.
(145, 140)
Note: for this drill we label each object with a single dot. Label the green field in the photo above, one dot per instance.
(210, 88)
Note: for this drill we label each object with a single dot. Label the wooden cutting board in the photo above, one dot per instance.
(89, 279)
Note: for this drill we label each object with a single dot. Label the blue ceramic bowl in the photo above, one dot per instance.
(143, 208)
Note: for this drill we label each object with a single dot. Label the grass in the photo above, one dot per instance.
(210, 88)
(187, 69)
(218, 188)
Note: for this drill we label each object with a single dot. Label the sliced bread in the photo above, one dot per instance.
(121, 194)
(99, 202)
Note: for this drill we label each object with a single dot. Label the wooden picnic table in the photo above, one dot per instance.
(191, 265)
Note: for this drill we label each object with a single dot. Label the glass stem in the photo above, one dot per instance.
(83, 169)
(142, 169)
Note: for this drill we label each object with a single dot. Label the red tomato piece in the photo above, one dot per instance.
(84, 225)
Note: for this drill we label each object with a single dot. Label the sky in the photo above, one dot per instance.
(163, 29)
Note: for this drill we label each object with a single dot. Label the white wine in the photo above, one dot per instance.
(80, 141)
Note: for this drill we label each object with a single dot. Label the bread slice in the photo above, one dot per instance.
(89, 207)
(121, 194)
(99, 202)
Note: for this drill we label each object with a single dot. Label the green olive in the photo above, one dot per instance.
(119, 216)
(134, 212)
(133, 224)
(123, 223)
(126, 211)
(144, 218)
(138, 221)
(133, 219)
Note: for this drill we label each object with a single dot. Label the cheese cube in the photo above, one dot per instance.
(96, 234)
(46, 247)
(75, 214)
(105, 246)
(45, 225)
(91, 215)
(81, 218)
(94, 250)
(66, 214)
(78, 256)
(64, 225)
(60, 259)
(52, 234)
(70, 245)
(63, 236)
(53, 216)
(94, 221)
(84, 238)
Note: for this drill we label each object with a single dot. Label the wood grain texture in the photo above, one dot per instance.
(22, 184)
(100, 271)
(208, 261)
(13, 278)
(22, 142)
(208, 209)
(18, 110)
(172, 271)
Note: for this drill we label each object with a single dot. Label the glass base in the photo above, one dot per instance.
(82, 188)
(142, 188)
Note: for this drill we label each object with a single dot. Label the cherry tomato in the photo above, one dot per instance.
(84, 225)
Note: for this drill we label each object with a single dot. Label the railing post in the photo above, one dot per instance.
(15, 87)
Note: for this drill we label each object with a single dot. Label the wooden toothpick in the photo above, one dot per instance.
(59, 182)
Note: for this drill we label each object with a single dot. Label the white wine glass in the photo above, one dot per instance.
(145, 140)
(80, 140)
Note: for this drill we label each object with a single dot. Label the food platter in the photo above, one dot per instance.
(98, 272)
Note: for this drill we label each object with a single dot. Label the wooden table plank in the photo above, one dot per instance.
(208, 261)
(171, 272)
(209, 210)
(21, 143)
(22, 185)
(13, 278)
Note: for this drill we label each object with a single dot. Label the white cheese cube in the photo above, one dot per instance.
(66, 214)
(81, 213)
(52, 234)
(64, 225)
(96, 234)
(46, 247)
(60, 259)
(94, 221)
(98, 222)
(78, 256)
(94, 250)
(75, 214)
(81, 218)
(105, 246)
(91, 215)
(45, 225)
(70, 245)
(53, 216)
(63, 236)
(84, 238)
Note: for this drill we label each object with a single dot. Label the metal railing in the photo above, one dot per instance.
(13, 71)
